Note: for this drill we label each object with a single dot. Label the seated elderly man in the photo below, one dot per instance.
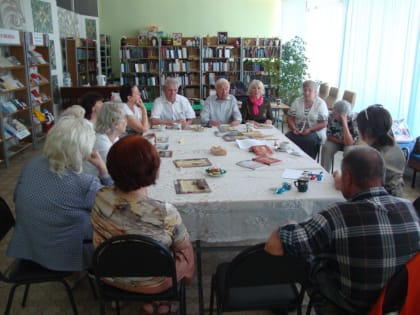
(356, 246)
(341, 132)
(171, 108)
(221, 108)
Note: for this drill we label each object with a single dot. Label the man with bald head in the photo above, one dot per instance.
(353, 247)
(221, 108)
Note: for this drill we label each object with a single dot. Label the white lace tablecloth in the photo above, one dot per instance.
(242, 204)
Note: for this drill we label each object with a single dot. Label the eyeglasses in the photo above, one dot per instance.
(371, 106)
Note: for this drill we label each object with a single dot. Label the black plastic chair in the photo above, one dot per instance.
(25, 272)
(135, 256)
(256, 280)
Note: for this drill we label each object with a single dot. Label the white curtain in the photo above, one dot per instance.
(375, 47)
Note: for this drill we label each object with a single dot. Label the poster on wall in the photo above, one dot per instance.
(177, 39)
(222, 38)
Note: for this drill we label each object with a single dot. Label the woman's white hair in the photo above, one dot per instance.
(74, 110)
(254, 83)
(69, 142)
(109, 116)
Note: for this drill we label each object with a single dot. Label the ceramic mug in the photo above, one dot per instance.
(302, 184)
(284, 145)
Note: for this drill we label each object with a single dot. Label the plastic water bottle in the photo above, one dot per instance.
(66, 79)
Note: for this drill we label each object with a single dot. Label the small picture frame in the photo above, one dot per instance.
(142, 40)
(176, 39)
(222, 38)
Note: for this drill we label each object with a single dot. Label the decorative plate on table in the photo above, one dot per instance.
(215, 171)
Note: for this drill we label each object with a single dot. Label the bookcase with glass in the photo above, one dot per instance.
(139, 64)
(105, 46)
(182, 61)
(259, 56)
(220, 61)
(15, 118)
(40, 87)
(81, 62)
(199, 63)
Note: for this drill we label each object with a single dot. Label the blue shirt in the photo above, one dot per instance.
(53, 216)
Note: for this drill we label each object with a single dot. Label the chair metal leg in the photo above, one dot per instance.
(25, 295)
(212, 288)
(10, 299)
(183, 301)
(200, 277)
(70, 295)
(92, 287)
(102, 306)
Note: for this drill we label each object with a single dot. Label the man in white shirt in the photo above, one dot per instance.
(221, 108)
(171, 108)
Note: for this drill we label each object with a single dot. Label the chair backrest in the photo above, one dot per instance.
(133, 256)
(401, 292)
(332, 97)
(324, 90)
(7, 221)
(350, 97)
(255, 267)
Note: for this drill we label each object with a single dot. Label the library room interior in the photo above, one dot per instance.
(188, 157)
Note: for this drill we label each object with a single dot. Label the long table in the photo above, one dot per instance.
(242, 205)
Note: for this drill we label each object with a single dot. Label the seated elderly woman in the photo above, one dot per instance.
(133, 163)
(110, 124)
(54, 198)
(374, 124)
(341, 132)
(307, 120)
(256, 109)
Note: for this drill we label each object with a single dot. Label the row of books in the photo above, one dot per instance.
(253, 66)
(183, 79)
(12, 106)
(217, 52)
(180, 66)
(220, 66)
(146, 67)
(10, 61)
(85, 54)
(8, 82)
(148, 80)
(175, 52)
(261, 52)
(138, 52)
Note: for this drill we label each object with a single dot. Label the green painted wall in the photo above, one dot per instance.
(249, 18)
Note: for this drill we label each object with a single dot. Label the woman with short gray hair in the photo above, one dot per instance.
(111, 123)
(341, 132)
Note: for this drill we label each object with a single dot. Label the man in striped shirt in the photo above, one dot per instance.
(354, 247)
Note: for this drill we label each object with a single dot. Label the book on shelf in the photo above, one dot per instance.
(262, 149)
(253, 165)
(5, 62)
(7, 82)
(268, 160)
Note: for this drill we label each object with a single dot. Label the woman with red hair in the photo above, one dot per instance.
(133, 163)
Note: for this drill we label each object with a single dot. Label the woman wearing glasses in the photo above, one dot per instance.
(374, 125)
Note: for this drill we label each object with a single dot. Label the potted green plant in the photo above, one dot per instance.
(288, 73)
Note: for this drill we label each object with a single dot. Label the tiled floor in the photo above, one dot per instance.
(51, 298)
